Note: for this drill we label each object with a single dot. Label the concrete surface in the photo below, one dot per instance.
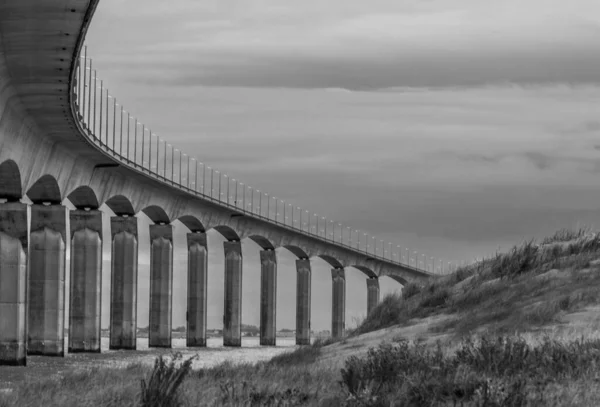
(124, 281)
(13, 284)
(46, 296)
(268, 297)
(303, 293)
(161, 286)
(372, 294)
(86, 281)
(197, 289)
(232, 312)
(338, 300)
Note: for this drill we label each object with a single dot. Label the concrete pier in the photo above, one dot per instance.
(372, 293)
(197, 287)
(232, 313)
(86, 281)
(46, 315)
(338, 306)
(124, 273)
(13, 284)
(161, 285)
(303, 286)
(268, 297)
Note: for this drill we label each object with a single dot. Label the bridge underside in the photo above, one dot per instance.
(45, 157)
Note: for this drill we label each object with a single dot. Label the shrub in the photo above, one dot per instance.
(387, 313)
(247, 394)
(410, 290)
(436, 299)
(301, 356)
(161, 389)
(502, 371)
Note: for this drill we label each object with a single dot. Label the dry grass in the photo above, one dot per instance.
(523, 329)
(529, 287)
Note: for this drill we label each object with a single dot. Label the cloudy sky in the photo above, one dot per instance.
(452, 127)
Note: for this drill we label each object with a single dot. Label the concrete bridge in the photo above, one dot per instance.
(53, 150)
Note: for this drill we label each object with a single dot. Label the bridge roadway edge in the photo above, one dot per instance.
(43, 137)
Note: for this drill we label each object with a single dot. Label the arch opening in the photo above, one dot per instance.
(397, 279)
(262, 241)
(332, 261)
(192, 223)
(45, 189)
(297, 251)
(10, 181)
(228, 233)
(120, 205)
(366, 271)
(83, 197)
(156, 214)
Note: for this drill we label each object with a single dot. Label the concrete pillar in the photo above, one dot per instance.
(124, 276)
(161, 285)
(13, 284)
(372, 293)
(232, 314)
(47, 256)
(338, 306)
(197, 285)
(268, 297)
(303, 283)
(86, 281)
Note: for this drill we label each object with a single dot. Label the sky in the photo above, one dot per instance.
(456, 128)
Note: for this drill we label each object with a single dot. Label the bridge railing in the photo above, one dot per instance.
(114, 130)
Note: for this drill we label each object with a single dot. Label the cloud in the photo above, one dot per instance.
(350, 45)
(424, 154)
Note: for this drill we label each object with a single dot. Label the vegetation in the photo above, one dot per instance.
(501, 371)
(487, 308)
(161, 388)
(504, 294)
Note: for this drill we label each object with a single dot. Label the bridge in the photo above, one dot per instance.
(63, 138)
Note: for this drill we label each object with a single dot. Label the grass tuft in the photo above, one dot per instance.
(161, 389)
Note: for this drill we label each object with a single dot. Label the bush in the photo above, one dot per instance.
(502, 371)
(301, 356)
(410, 290)
(387, 313)
(247, 394)
(161, 389)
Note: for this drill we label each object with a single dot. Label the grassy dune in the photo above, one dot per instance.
(510, 338)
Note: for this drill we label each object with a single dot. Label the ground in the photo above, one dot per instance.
(518, 329)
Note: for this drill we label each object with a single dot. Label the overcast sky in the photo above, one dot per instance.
(452, 127)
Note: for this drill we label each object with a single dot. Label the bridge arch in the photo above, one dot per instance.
(227, 232)
(365, 270)
(84, 197)
(332, 261)
(192, 223)
(156, 214)
(10, 181)
(297, 251)
(396, 278)
(263, 242)
(120, 205)
(45, 189)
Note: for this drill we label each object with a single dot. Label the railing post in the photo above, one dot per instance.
(114, 122)
(90, 97)
(100, 116)
(143, 143)
(121, 135)
(107, 97)
(83, 94)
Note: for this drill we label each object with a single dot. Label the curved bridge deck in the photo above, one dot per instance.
(52, 148)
